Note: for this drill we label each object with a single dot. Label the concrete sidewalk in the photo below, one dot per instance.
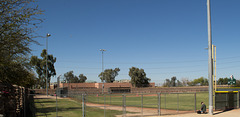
(231, 113)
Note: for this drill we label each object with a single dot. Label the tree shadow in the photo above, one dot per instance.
(43, 110)
(46, 102)
(53, 109)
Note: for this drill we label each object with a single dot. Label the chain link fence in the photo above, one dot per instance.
(88, 103)
(139, 104)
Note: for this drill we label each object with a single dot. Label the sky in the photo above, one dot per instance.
(166, 38)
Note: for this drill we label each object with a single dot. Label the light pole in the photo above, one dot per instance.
(57, 94)
(48, 35)
(214, 54)
(210, 60)
(102, 50)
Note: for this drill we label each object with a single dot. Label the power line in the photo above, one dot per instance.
(175, 72)
(228, 62)
(229, 57)
(156, 62)
(229, 67)
(155, 67)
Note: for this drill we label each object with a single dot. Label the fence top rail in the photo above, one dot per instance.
(178, 93)
(228, 87)
(226, 91)
(138, 94)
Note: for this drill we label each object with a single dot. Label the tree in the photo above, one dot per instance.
(71, 78)
(17, 74)
(167, 83)
(40, 66)
(222, 81)
(138, 77)
(179, 83)
(184, 81)
(173, 81)
(200, 81)
(237, 83)
(109, 75)
(18, 22)
(82, 78)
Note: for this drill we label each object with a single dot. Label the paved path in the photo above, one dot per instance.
(232, 113)
(47, 97)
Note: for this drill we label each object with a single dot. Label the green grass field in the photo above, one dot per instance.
(168, 101)
(68, 108)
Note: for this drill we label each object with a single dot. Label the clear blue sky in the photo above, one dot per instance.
(164, 37)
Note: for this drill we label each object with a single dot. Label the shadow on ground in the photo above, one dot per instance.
(43, 110)
(222, 111)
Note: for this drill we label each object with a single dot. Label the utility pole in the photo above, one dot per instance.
(48, 35)
(210, 60)
(57, 94)
(102, 71)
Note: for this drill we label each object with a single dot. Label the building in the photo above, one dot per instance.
(108, 87)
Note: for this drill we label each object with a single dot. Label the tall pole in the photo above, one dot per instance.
(102, 74)
(103, 81)
(215, 60)
(57, 94)
(48, 35)
(210, 61)
(102, 70)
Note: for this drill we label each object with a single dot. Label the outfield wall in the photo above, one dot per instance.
(93, 90)
(170, 89)
(97, 85)
(43, 91)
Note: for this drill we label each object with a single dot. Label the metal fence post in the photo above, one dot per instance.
(159, 104)
(56, 106)
(98, 97)
(57, 93)
(124, 105)
(110, 98)
(177, 102)
(226, 100)
(195, 100)
(238, 99)
(83, 106)
(104, 105)
(142, 104)
(165, 100)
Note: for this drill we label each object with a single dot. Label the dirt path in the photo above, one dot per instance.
(137, 111)
(46, 97)
(153, 112)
